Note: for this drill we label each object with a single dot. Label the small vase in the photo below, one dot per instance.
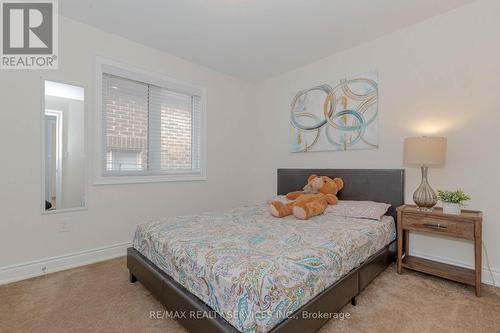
(451, 208)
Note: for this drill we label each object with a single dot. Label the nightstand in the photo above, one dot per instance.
(464, 226)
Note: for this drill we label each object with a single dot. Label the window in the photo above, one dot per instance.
(151, 128)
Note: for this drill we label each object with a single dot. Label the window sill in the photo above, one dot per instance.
(63, 210)
(112, 180)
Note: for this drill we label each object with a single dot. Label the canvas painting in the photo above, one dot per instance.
(342, 116)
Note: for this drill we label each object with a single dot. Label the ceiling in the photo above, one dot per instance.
(253, 39)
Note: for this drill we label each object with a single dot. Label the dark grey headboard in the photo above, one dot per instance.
(381, 185)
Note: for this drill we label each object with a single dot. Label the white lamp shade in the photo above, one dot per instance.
(425, 151)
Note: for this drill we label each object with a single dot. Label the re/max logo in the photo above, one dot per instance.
(182, 314)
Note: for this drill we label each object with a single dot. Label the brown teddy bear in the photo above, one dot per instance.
(319, 192)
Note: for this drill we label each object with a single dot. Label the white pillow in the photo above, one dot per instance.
(359, 209)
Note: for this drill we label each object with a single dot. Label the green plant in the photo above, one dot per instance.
(456, 197)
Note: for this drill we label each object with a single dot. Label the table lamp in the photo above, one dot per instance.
(425, 152)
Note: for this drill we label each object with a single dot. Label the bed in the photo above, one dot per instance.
(246, 271)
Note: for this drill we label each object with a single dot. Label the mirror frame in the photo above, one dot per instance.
(42, 146)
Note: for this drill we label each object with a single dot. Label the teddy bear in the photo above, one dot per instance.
(319, 192)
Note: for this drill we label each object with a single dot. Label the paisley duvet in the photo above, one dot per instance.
(254, 269)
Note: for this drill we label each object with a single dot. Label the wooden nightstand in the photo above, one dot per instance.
(465, 226)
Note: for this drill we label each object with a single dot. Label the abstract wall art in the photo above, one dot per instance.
(343, 116)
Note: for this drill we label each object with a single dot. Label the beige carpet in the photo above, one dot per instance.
(99, 298)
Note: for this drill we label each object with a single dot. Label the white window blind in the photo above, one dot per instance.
(148, 129)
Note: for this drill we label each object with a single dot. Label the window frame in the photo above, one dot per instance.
(112, 67)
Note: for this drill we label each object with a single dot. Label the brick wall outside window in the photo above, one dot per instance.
(128, 107)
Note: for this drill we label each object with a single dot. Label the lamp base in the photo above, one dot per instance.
(425, 209)
(425, 197)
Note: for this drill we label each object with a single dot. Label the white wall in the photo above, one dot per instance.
(439, 77)
(113, 210)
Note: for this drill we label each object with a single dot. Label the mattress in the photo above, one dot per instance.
(254, 269)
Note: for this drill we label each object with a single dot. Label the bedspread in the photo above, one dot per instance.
(255, 269)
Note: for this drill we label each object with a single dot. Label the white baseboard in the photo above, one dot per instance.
(50, 265)
(485, 274)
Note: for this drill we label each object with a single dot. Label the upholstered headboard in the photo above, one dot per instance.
(381, 185)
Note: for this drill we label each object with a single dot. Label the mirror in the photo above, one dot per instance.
(63, 147)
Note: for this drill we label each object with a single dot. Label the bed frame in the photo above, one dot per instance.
(361, 184)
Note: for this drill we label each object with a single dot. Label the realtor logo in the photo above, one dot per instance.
(29, 34)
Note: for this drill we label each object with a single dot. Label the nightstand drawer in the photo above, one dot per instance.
(439, 226)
